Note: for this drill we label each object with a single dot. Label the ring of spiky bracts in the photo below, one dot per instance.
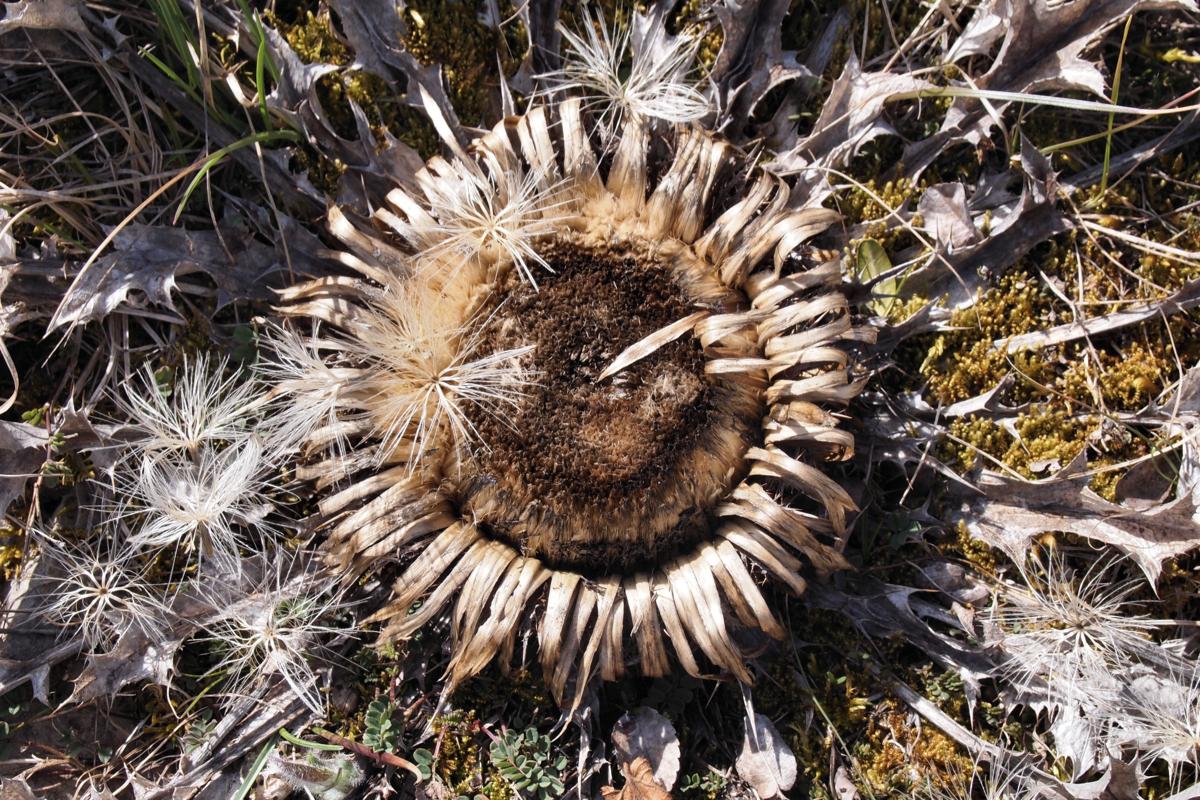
(596, 384)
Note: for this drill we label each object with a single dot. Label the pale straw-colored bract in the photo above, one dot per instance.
(473, 212)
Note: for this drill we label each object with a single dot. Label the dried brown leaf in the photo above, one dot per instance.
(639, 784)
(22, 453)
(1014, 511)
(851, 117)
(148, 259)
(43, 15)
(644, 733)
(752, 60)
(1043, 48)
(765, 762)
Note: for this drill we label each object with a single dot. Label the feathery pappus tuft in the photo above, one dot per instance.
(195, 504)
(98, 588)
(309, 389)
(1160, 717)
(203, 406)
(423, 369)
(641, 71)
(275, 626)
(1073, 633)
(193, 479)
(474, 214)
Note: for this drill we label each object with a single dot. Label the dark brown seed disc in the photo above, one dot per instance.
(603, 475)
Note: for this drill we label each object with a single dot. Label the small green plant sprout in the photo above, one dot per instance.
(707, 784)
(423, 758)
(381, 733)
(526, 761)
(324, 776)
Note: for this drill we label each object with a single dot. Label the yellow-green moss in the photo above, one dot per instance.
(1046, 440)
(458, 753)
(451, 34)
(315, 41)
(972, 436)
(1125, 381)
(12, 551)
(905, 755)
(690, 19)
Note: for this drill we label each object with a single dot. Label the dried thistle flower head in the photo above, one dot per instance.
(199, 504)
(204, 406)
(646, 423)
(1072, 633)
(1160, 717)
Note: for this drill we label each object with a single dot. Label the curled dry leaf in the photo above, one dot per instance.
(1044, 47)
(639, 784)
(43, 15)
(766, 762)
(944, 209)
(149, 259)
(22, 453)
(851, 117)
(645, 732)
(752, 60)
(1014, 511)
(15, 789)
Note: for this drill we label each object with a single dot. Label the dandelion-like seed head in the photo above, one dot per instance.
(1160, 716)
(278, 628)
(653, 85)
(475, 213)
(203, 406)
(309, 390)
(197, 503)
(1072, 633)
(98, 590)
(425, 372)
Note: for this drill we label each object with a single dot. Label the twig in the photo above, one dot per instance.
(390, 759)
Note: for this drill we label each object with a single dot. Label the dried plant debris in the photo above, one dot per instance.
(391, 390)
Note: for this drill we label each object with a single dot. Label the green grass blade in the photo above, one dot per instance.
(1115, 92)
(296, 740)
(263, 137)
(255, 769)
